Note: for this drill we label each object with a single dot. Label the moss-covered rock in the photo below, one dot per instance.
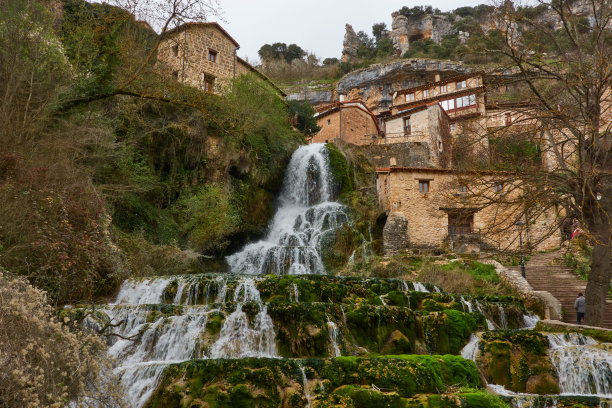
(518, 361)
(255, 382)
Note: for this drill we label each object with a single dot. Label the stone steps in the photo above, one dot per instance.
(562, 282)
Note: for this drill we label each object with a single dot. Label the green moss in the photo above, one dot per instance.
(342, 172)
(215, 322)
(240, 397)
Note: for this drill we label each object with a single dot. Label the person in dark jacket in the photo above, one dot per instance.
(580, 306)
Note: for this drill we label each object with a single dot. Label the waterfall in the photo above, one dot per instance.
(470, 351)
(238, 337)
(333, 337)
(466, 305)
(294, 293)
(419, 287)
(147, 291)
(305, 219)
(530, 320)
(502, 317)
(490, 325)
(382, 300)
(305, 385)
(583, 366)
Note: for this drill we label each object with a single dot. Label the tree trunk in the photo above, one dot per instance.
(598, 284)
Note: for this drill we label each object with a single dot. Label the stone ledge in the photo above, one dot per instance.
(551, 305)
(557, 324)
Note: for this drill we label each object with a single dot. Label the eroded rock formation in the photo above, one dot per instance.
(351, 43)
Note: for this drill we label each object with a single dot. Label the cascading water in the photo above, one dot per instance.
(305, 218)
(239, 338)
(144, 348)
(584, 367)
(332, 328)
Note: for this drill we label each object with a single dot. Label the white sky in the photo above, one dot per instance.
(314, 25)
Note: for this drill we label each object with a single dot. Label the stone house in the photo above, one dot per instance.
(350, 121)
(462, 97)
(204, 56)
(426, 123)
(433, 207)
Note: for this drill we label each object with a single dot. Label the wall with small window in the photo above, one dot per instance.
(437, 203)
(199, 50)
(351, 124)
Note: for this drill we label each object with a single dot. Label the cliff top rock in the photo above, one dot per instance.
(351, 43)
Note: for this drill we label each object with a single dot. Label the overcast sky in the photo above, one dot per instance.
(314, 25)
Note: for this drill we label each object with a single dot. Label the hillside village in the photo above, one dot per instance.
(394, 229)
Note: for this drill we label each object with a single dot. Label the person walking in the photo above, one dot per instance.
(580, 306)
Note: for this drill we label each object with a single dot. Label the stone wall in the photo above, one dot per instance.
(395, 234)
(350, 124)
(430, 126)
(428, 223)
(543, 301)
(185, 54)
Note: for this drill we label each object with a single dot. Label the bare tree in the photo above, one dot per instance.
(562, 59)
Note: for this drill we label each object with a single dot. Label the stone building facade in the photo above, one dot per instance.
(427, 124)
(350, 121)
(204, 56)
(465, 211)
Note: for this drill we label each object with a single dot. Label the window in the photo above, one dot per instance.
(472, 99)
(329, 121)
(212, 56)
(424, 186)
(175, 50)
(499, 187)
(453, 127)
(459, 103)
(407, 126)
(425, 93)
(175, 75)
(444, 105)
(209, 83)
(409, 97)
(461, 84)
(443, 88)
(462, 188)
(451, 104)
(508, 118)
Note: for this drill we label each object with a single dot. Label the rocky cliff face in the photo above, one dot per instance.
(408, 29)
(375, 84)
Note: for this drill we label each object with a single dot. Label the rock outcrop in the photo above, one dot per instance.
(375, 84)
(405, 30)
(351, 43)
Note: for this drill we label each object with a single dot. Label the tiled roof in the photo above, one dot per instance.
(198, 24)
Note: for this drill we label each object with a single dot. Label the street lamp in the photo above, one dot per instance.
(520, 224)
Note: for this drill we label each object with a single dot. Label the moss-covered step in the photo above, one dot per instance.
(275, 383)
(504, 311)
(207, 288)
(304, 329)
(365, 397)
(518, 360)
(557, 401)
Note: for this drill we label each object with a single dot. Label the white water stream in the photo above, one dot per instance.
(304, 219)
